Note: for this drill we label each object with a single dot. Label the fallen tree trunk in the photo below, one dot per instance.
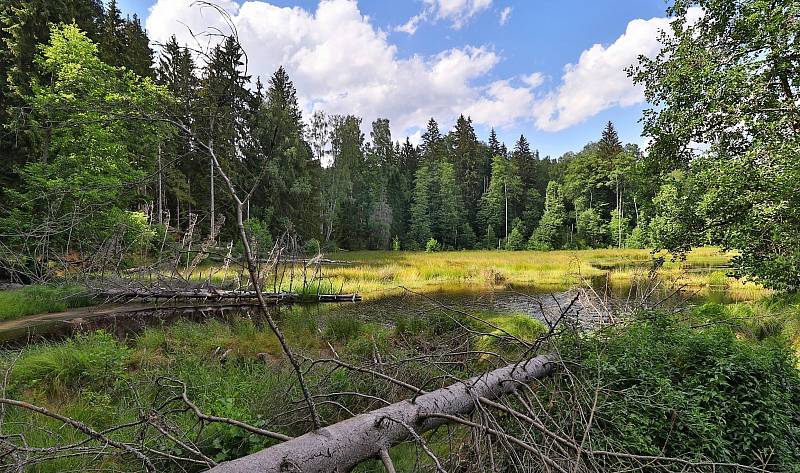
(222, 294)
(341, 446)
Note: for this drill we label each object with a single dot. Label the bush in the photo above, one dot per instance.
(260, 238)
(432, 246)
(675, 391)
(312, 247)
(516, 241)
(395, 244)
(637, 238)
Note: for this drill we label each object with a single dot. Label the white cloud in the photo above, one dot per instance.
(411, 25)
(534, 80)
(505, 13)
(502, 105)
(339, 61)
(342, 64)
(598, 80)
(457, 12)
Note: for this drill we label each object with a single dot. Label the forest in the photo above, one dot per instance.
(198, 275)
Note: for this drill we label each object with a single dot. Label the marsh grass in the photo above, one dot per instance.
(772, 318)
(38, 299)
(376, 274)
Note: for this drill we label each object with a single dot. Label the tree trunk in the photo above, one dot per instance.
(341, 446)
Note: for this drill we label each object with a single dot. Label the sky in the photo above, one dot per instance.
(551, 70)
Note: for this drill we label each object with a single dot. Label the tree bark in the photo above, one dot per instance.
(341, 446)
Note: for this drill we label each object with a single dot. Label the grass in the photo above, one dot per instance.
(39, 299)
(772, 318)
(376, 274)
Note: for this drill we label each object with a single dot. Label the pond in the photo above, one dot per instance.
(587, 306)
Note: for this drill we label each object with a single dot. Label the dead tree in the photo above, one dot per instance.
(341, 446)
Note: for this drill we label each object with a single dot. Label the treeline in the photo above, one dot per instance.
(321, 178)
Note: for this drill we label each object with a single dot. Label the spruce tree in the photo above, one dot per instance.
(419, 231)
(112, 36)
(469, 164)
(138, 56)
(447, 220)
(548, 235)
(432, 148)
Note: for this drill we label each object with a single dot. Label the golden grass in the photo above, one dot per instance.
(376, 274)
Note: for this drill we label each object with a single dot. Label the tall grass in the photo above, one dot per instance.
(38, 299)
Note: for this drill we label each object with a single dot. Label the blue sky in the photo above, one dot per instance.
(356, 57)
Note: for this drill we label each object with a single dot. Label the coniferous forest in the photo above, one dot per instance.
(324, 177)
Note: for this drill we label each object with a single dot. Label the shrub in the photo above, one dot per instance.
(312, 247)
(516, 241)
(432, 246)
(676, 391)
(637, 238)
(260, 238)
(395, 244)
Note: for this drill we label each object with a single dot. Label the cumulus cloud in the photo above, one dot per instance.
(598, 81)
(341, 63)
(457, 12)
(338, 61)
(502, 104)
(505, 13)
(534, 80)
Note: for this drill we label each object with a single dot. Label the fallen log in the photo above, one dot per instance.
(220, 294)
(342, 446)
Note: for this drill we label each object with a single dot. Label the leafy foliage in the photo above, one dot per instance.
(725, 117)
(672, 390)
